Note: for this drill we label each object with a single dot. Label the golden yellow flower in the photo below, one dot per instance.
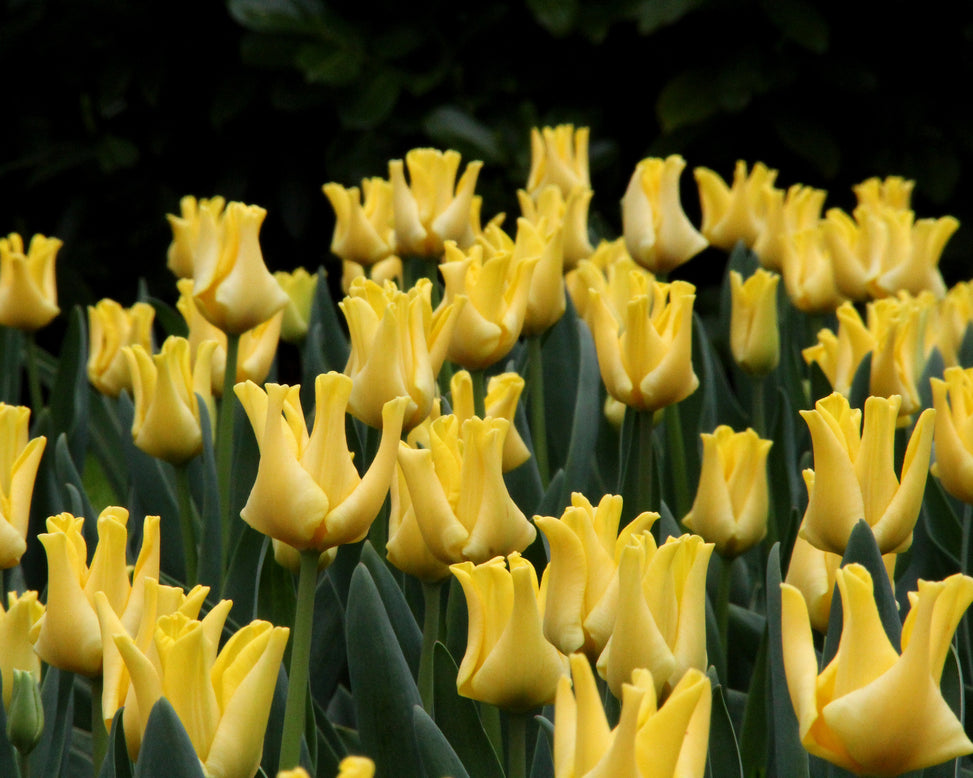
(502, 395)
(19, 459)
(808, 273)
(28, 288)
(839, 355)
(610, 269)
(110, 327)
(299, 286)
(569, 212)
(356, 767)
(754, 333)
(737, 212)
(16, 650)
(388, 269)
(953, 401)
(797, 210)
(364, 232)
(559, 156)
(195, 231)
(891, 192)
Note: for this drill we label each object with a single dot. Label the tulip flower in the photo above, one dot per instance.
(502, 394)
(579, 588)
(406, 549)
(859, 247)
(658, 234)
(299, 287)
(650, 739)
(355, 767)
(232, 286)
(953, 401)
(508, 662)
(110, 327)
(784, 214)
(610, 270)
(308, 493)
(21, 458)
(432, 208)
(754, 336)
(222, 698)
(16, 650)
(854, 476)
(808, 273)
(569, 212)
(559, 156)
(28, 289)
(897, 358)
(919, 271)
(645, 353)
(949, 322)
(456, 486)
(891, 192)
(388, 269)
(167, 421)
(196, 231)
(398, 345)
(68, 635)
(660, 619)
(871, 710)
(732, 500)
(25, 714)
(839, 355)
(737, 212)
(364, 232)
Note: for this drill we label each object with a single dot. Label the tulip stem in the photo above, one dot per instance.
(723, 603)
(758, 416)
(538, 423)
(964, 633)
(431, 598)
(290, 744)
(646, 498)
(99, 735)
(224, 441)
(517, 745)
(479, 392)
(677, 458)
(187, 523)
(33, 376)
(23, 762)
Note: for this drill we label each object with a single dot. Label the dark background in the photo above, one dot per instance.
(113, 110)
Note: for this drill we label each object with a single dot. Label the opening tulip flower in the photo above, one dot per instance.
(19, 460)
(953, 400)
(567, 212)
(737, 212)
(559, 156)
(784, 214)
(364, 232)
(300, 287)
(502, 395)
(110, 328)
(16, 650)
(308, 493)
(871, 710)
(28, 288)
(194, 232)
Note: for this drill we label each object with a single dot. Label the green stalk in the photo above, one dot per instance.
(431, 598)
(723, 604)
(965, 633)
(758, 416)
(23, 762)
(490, 718)
(99, 735)
(677, 458)
(187, 523)
(517, 745)
(297, 677)
(479, 392)
(538, 423)
(224, 442)
(33, 377)
(646, 499)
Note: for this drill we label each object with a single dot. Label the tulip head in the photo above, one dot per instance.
(502, 395)
(754, 334)
(16, 650)
(808, 273)
(559, 157)
(110, 327)
(388, 269)
(734, 213)
(839, 355)
(568, 212)
(19, 460)
(797, 210)
(28, 288)
(299, 287)
(196, 231)
(364, 232)
(953, 401)
(25, 714)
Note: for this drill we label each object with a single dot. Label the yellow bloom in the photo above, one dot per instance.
(657, 232)
(508, 662)
(839, 355)
(854, 476)
(28, 289)
(355, 767)
(432, 208)
(195, 231)
(569, 212)
(649, 740)
(364, 232)
(732, 500)
(579, 588)
(645, 351)
(919, 271)
(109, 328)
(797, 210)
(498, 288)
(891, 192)
(16, 650)
(398, 345)
(406, 548)
(953, 401)
(734, 213)
(859, 247)
(68, 635)
(502, 394)
(950, 319)
(871, 710)
(559, 156)
(388, 269)
(754, 335)
(808, 273)
(19, 460)
(222, 699)
(308, 493)
(232, 287)
(300, 772)
(660, 620)
(897, 358)
(299, 287)
(167, 422)
(611, 270)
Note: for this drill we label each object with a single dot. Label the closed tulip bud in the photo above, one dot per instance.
(732, 500)
(797, 210)
(25, 714)
(657, 232)
(660, 621)
(839, 355)
(167, 422)
(299, 287)
(559, 156)
(432, 208)
(21, 458)
(953, 401)
(308, 493)
(196, 231)
(388, 269)
(398, 345)
(808, 273)
(68, 635)
(28, 288)
(854, 473)
(355, 767)
(503, 393)
(508, 662)
(16, 650)
(734, 213)
(232, 286)
(364, 232)
(569, 212)
(579, 588)
(754, 335)
(871, 710)
(110, 327)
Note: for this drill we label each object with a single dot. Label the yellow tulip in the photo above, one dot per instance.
(167, 421)
(559, 156)
(919, 271)
(839, 355)
(388, 269)
(871, 710)
(950, 320)
(953, 401)
(432, 208)
(364, 232)
(456, 486)
(232, 286)
(508, 662)
(579, 588)
(19, 460)
(650, 740)
(308, 493)
(68, 635)
(569, 212)
(406, 548)
(645, 351)
(300, 772)
(754, 335)
(737, 212)
(498, 289)
(891, 192)
(897, 358)
(808, 273)
(110, 327)
(195, 231)
(299, 287)
(732, 501)
(797, 210)
(657, 232)
(222, 699)
(610, 270)
(660, 620)
(854, 475)
(355, 767)
(859, 247)
(16, 650)
(398, 345)
(28, 288)
(503, 393)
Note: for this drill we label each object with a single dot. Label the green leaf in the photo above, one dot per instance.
(654, 14)
(276, 594)
(371, 101)
(860, 390)
(166, 748)
(407, 632)
(688, 98)
(169, 318)
(116, 763)
(327, 642)
(451, 127)
(275, 16)
(325, 346)
(724, 755)
(240, 584)
(11, 364)
(754, 737)
(943, 526)
(801, 22)
(57, 694)
(438, 757)
(326, 63)
(8, 755)
(542, 765)
(203, 475)
(69, 393)
(555, 16)
(585, 420)
(933, 368)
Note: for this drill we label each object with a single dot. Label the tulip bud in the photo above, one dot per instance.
(16, 650)
(28, 289)
(21, 458)
(364, 233)
(754, 336)
(808, 273)
(559, 156)
(798, 210)
(356, 767)
(299, 287)
(25, 716)
(112, 327)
